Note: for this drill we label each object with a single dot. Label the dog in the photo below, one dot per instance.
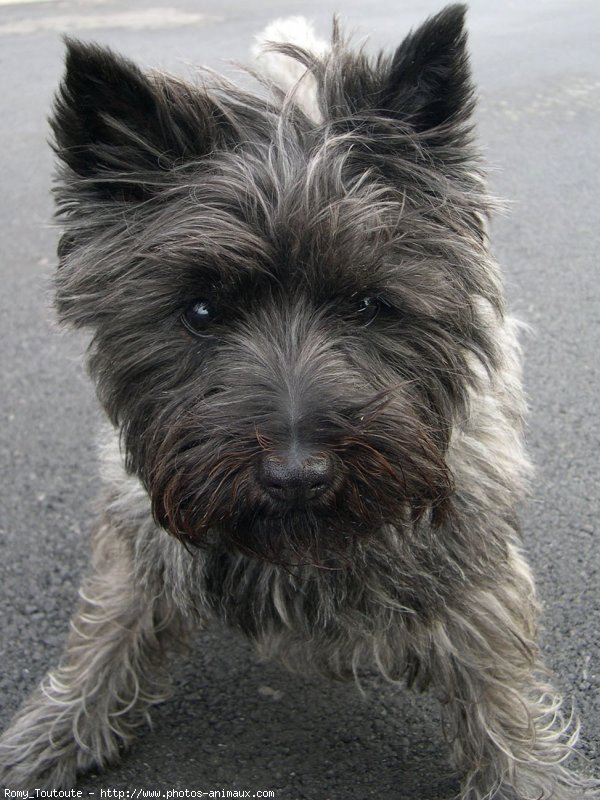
(313, 387)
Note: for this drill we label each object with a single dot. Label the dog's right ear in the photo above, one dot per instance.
(120, 130)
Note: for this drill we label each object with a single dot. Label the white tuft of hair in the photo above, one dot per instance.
(286, 73)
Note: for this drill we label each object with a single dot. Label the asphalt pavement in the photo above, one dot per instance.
(233, 722)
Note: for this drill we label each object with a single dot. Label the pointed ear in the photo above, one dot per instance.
(121, 129)
(429, 81)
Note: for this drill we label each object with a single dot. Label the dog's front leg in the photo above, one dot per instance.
(112, 671)
(509, 737)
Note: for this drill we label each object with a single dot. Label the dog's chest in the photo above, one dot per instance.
(262, 599)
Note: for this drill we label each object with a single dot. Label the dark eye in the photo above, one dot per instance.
(366, 308)
(198, 317)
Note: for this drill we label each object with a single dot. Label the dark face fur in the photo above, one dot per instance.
(283, 311)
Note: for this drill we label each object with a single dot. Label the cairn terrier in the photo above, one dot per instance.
(299, 338)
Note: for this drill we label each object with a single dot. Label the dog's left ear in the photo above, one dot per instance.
(429, 80)
(120, 129)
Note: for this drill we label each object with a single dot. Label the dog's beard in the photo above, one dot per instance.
(389, 469)
(300, 536)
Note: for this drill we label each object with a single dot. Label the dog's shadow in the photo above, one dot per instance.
(235, 722)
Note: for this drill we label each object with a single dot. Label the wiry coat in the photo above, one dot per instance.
(333, 235)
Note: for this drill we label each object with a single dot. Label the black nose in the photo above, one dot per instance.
(296, 475)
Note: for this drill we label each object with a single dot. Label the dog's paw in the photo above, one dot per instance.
(41, 748)
(558, 783)
(35, 765)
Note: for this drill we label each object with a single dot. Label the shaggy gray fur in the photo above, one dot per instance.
(299, 337)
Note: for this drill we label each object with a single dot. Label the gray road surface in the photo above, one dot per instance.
(234, 722)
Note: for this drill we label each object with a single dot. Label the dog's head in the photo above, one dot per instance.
(284, 311)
